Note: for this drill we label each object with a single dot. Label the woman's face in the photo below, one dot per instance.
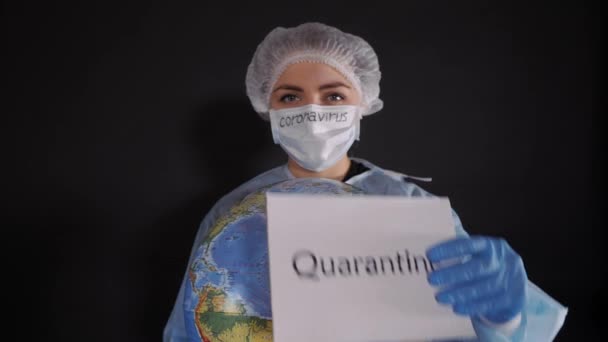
(312, 83)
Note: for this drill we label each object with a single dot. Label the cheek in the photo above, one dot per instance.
(353, 99)
(276, 103)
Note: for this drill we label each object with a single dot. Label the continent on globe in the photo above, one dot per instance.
(227, 297)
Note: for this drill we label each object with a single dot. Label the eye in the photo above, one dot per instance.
(335, 97)
(288, 98)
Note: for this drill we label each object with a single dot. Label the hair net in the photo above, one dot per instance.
(350, 55)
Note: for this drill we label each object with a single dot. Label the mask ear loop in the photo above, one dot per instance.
(359, 117)
(273, 126)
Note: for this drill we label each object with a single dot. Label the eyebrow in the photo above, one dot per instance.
(323, 87)
(333, 85)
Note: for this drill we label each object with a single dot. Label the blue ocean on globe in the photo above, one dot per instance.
(227, 297)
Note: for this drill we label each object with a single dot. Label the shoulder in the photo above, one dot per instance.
(224, 204)
(389, 182)
(275, 175)
(381, 181)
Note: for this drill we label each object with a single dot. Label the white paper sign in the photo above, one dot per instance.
(354, 268)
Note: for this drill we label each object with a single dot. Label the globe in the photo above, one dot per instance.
(227, 295)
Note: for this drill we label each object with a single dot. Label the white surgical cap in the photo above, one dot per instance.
(350, 55)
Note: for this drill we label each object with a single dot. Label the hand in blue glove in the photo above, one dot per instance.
(488, 278)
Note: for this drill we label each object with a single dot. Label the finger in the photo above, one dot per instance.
(470, 292)
(455, 248)
(471, 270)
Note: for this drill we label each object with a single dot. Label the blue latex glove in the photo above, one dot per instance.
(486, 279)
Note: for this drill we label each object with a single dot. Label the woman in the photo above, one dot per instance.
(314, 84)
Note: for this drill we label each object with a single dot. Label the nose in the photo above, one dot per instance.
(313, 98)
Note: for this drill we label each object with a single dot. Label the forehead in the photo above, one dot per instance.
(310, 74)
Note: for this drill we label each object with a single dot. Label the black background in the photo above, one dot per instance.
(125, 123)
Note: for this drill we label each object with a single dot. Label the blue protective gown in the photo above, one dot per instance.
(541, 318)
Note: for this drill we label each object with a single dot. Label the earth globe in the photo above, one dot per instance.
(227, 295)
